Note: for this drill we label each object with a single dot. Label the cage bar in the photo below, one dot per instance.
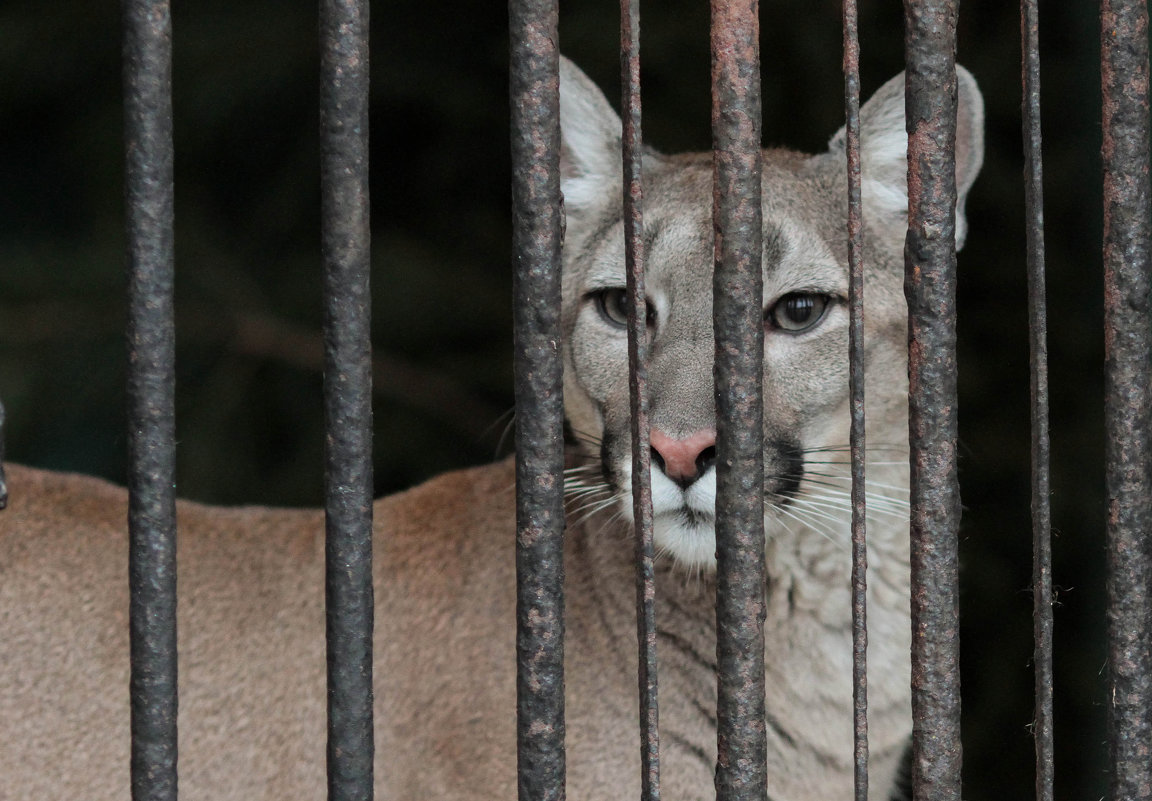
(930, 288)
(347, 395)
(1042, 619)
(738, 313)
(534, 87)
(147, 53)
(856, 402)
(3, 481)
(631, 154)
(1128, 393)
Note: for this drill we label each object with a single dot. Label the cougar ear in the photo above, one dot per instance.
(590, 139)
(884, 147)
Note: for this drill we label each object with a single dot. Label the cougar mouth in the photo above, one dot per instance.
(695, 518)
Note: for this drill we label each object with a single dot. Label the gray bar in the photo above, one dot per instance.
(1128, 394)
(534, 86)
(739, 321)
(632, 148)
(1042, 622)
(930, 288)
(3, 481)
(347, 394)
(151, 392)
(856, 402)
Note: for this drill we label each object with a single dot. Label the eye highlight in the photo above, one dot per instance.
(798, 311)
(612, 303)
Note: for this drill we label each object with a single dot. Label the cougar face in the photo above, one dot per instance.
(805, 319)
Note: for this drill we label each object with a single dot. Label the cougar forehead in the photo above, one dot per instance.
(679, 256)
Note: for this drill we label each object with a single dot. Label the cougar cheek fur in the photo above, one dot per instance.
(251, 580)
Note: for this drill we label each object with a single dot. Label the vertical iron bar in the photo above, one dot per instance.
(1042, 622)
(347, 394)
(151, 392)
(3, 482)
(631, 152)
(856, 393)
(739, 321)
(534, 86)
(1128, 394)
(930, 288)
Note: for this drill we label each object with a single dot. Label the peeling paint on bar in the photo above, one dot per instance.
(534, 86)
(930, 288)
(1128, 392)
(631, 154)
(347, 395)
(151, 396)
(738, 315)
(1042, 619)
(3, 481)
(856, 393)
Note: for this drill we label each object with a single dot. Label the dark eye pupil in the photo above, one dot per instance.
(618, 300)
(613, 305)
(799, 308)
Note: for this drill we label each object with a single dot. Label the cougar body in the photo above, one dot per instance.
(251, 621)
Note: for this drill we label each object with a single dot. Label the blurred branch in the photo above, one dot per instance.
(263, 337)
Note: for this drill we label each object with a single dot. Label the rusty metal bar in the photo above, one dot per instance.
(534, 86)
(930, 288)
(856, 402)
(1128, 392)
(738, 310)
(147, 52)
(347, 394)
(3, 481)
(1042, 621)
(631, 154)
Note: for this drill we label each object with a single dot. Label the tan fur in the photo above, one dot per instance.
(251, 623)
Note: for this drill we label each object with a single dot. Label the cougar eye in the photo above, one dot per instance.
(613, 306)
(798, 311)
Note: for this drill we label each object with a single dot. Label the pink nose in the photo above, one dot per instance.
(684, 460)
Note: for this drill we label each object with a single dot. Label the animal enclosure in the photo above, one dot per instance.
(1005, 70)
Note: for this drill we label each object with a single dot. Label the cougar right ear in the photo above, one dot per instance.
(884, 146)
(590, 139)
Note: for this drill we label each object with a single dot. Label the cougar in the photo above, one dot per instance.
(251, 618)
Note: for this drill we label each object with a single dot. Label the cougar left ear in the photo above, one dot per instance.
(884, 147)
(589, 139)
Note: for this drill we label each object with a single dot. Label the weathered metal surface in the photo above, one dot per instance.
(3, 482)
(631, 154)
(1128, 392)
(347, 394)
(738, 316)
(856, 402)
(1042, 621)
(147, 52)
(537, 227)
(930, 288)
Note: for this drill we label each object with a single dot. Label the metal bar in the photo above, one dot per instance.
(347, 394)
(3, 481)
(534, 86)
(1042, 620)
(151, 393)
(738, 313)
(631, 153)
(930, 288)
(1128, 392)
(856, 402)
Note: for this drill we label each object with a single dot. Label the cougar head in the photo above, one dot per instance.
(806, 413)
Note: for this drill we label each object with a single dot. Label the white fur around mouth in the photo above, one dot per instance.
(688, 537)
(684, 520)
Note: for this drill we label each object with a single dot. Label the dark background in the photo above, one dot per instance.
(248, 406)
